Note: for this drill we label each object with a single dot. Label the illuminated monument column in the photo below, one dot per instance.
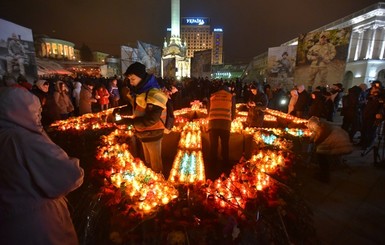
(174, 51)
(175, 18)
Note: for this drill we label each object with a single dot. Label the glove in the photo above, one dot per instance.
(125, 121)
(118, 118)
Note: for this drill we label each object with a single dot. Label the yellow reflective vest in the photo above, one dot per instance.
(220, 105)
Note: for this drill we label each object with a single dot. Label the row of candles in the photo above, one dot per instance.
(188, 165)
(245, 180)
(146, 189)
(95, 121)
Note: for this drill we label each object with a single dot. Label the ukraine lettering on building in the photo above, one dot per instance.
(200, 21)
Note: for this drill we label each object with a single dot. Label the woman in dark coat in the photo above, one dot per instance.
(257, 104)
(317, 107)
(86, 98)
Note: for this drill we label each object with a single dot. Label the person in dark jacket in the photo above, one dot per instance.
(149, 113)
(302, 106)
(337, 91)
(350, 111)
(329, 105)
(372, 109)
(317, 107)
(257, 104)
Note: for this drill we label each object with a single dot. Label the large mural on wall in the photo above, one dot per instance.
(281, 66)
(201, 64)
(128, 55)
(169, 68)
(150, 56)
(17, 52)
(321, 57)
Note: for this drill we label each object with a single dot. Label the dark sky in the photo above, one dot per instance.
(250, 26)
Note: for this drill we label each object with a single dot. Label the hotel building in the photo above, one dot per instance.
(196, 32)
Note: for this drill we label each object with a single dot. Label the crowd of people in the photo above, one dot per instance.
(360, 107)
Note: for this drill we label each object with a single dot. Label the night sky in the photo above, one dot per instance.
(250, 26)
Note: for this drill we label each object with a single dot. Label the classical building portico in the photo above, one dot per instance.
(366, 54)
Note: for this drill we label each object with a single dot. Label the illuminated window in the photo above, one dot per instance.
(60, 49)
(43, 50)
(66, 51)
(54, 48)
(49, 50)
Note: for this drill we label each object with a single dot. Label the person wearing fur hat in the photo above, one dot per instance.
(331, 142)
(40, 89)
(149, 113)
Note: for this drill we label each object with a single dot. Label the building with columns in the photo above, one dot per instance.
(46, 47)
(366, 54)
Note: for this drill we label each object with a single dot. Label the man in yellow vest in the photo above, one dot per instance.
(221, 112)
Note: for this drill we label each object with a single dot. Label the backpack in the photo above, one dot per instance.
(170, 118)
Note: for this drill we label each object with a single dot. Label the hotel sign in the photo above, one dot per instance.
(196, 21)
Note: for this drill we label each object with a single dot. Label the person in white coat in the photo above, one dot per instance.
(35, 176)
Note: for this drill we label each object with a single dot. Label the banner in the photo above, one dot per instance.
(17, 52)
(321, 57)
(201, 64)
(169, 68)
(150, 55)
(128, 56)
(280, 66)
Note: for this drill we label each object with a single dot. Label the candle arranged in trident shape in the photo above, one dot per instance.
(148, 191)
(188, 166)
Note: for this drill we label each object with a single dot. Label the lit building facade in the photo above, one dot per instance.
(111, 68)
(196, 32)
(366, 55)
(217, 46)
(53, 48)
(99, 56)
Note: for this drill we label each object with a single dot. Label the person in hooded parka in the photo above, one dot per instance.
(35, 176)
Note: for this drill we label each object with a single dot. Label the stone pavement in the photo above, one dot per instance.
(351, 208)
